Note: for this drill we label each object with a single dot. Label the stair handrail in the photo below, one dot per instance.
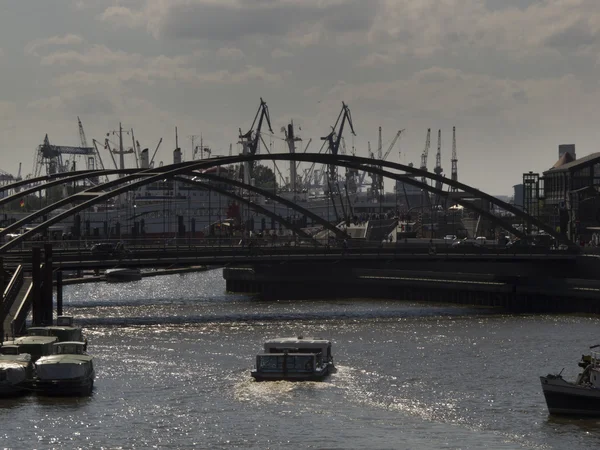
(11, 292)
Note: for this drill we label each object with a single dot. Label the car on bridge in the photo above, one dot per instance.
(109, 249)
(466, 244)
(520, 244)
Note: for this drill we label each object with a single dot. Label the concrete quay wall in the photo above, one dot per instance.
(530, 291)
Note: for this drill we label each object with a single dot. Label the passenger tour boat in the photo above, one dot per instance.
(296, 358)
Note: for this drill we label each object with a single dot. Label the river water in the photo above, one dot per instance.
(173, 355)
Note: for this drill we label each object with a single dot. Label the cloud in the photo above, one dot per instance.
(578, 36)
(69, 39)
(279, 53)
(7, 110)
(121, 16)
(231, 20)
(228, 53)
(97, 55)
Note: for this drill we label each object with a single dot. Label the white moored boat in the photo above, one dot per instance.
(68, 371)
(64, 330)
(16, 371)
(296, 358)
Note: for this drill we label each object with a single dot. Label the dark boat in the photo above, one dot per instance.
(123, 275)
(579, 398)
(294, 359)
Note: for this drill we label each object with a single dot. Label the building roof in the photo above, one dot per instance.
(586, 160)
(566, 158)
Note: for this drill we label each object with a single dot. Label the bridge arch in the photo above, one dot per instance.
(189, 167)
(98, 197)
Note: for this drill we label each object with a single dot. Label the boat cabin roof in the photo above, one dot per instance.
(69, 348)
(296, 343)
(53, 330)
(10, 349)
(64, 321)
(29, 340)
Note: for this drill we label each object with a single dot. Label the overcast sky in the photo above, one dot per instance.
(516, 77)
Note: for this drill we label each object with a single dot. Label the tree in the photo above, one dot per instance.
(264, 177)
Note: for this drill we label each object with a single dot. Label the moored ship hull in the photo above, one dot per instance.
(567, 398)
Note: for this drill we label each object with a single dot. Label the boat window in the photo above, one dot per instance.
(69, 349)
(38, 332)
(9, 350)
(289, 362)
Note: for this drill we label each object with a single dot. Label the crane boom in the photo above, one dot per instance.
(379, 145)
(438, 155)
(81, 133)
(426, 151)
(388, 151)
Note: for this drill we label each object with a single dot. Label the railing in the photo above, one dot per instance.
(17, 325)
(11, 292)
(222, 250)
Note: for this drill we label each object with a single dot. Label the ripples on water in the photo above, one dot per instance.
(173, 356)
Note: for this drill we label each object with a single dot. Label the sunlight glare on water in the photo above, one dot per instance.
(173, 356)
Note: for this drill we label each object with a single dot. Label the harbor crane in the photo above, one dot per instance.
(424, 156)
(454, 173)
(438, 165)
(91, 161)
(333, 140)
(251, 138)
(335, 136)
(49, 158)
(377, 180)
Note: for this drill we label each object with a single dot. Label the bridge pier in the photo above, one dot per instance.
(518, 294)
(36, 291)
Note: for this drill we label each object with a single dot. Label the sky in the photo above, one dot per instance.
(515, 77)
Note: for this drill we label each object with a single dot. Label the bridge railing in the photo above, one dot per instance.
(221, 248)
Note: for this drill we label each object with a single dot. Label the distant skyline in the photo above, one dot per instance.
(516, 77)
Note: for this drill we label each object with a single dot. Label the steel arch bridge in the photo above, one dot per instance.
(134, 178)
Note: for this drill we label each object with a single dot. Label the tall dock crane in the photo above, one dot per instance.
(251, 138)
(377, 180)
(92, 163)
(424, 156)
(49, 158)
(438, 165)
(334, 138)
(454, 173)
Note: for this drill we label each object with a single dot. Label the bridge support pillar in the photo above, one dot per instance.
(36, 279)
(46, 301)
(2, 276)
(59, 293)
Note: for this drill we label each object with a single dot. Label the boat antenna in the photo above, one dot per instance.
(595, 346)
(560, 373)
